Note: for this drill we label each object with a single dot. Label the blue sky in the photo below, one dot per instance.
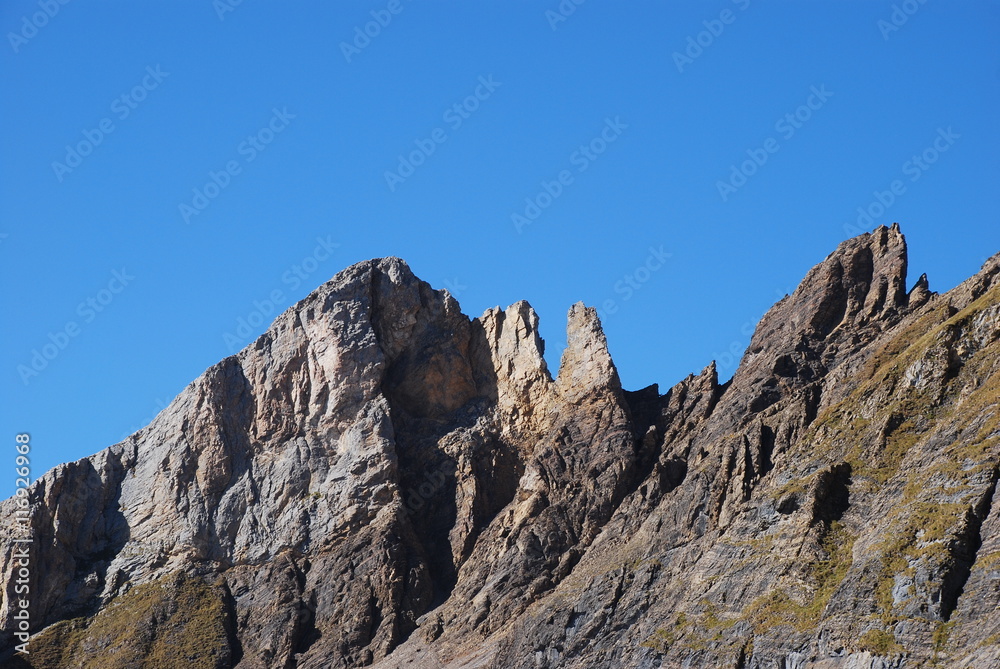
(168, 168)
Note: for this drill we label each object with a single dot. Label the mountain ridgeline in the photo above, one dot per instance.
(379, 480)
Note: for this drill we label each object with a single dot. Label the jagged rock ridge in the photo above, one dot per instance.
(380, 480)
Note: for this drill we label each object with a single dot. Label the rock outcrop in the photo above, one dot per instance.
(380, 480)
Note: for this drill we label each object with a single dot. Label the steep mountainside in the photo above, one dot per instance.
(379, 480)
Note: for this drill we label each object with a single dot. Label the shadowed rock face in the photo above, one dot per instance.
(379, 480)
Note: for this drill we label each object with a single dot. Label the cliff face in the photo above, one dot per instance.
(380, 480)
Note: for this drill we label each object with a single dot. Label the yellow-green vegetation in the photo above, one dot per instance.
(922, 521)
(885, 584)
(797, 486)
(174, 622)
(991, 640)
(695, 641)
(983, 405)
(897, 444)
(698, 638)
(916, 337)
(920, 536)
(918, 409)
(935, 498)
(711, 620)
(874, 429)
(940, 639)
(989, 561)
(637, 563)
(54, 647)
(882, 370)
(879, 642)
(778, 608)
(662, 639)
(693, 631)
(899, 353)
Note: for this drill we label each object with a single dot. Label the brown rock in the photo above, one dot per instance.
(380, 480)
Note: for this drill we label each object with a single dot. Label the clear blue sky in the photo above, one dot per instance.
(328, 122)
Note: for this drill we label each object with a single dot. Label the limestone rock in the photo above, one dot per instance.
(379, 480)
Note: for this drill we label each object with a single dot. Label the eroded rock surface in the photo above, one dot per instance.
(380, 480)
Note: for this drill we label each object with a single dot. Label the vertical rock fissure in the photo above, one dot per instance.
(231, 623)
(966, 550)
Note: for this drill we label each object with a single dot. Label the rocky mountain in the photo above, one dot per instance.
(380, 480)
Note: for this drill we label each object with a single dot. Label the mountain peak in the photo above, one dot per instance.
(379, 480)
(586, 364)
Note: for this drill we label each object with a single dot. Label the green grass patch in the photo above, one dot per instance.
(778, 608)
(879, 642)
(174, 622)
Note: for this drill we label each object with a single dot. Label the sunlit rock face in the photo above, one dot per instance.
(381, 480)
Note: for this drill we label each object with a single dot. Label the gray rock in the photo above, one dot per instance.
(380, 480)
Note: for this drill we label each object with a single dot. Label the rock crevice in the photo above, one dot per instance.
(380, 480)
